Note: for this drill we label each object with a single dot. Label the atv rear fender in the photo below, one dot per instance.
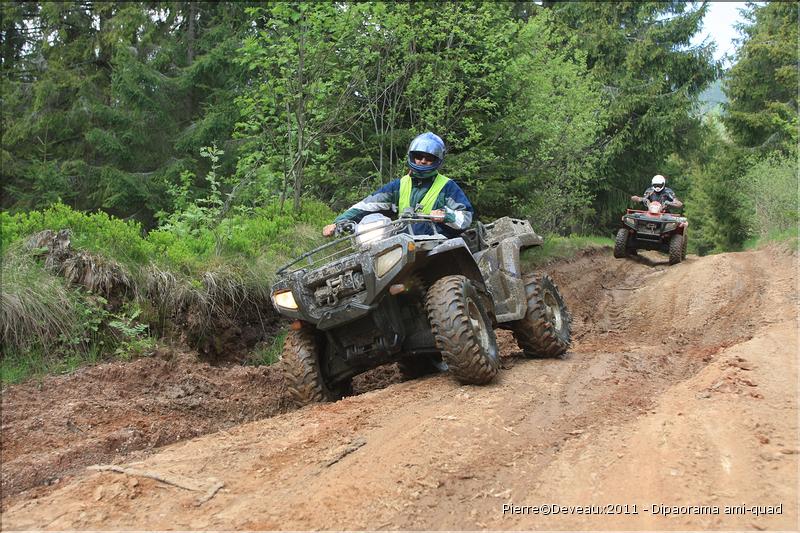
(500, 265)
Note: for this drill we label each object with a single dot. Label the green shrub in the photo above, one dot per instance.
(180, 246)
(47, 326)
(211, 268)
(94, 232)
(771, 193)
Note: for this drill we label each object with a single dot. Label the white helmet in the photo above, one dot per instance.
(658, 182)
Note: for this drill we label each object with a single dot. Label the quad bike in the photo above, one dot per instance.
(654, 229)
(387, 293)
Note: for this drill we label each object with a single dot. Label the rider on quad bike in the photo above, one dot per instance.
(423, 189)
(423, 291)
(655, 228)
(659, 192)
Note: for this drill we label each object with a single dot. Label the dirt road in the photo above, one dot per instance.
(676, 408)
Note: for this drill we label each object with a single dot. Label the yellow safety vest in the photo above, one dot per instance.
(430, 197)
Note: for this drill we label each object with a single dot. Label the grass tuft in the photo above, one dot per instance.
(268, 353)
(36, 308)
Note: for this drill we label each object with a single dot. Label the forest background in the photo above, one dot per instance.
(192, 147)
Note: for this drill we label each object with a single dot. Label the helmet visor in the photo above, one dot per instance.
(423, 158)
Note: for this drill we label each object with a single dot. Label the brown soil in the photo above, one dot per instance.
(680, 390)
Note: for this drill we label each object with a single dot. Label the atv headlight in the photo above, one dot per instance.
(629, 221)
(669, 226)
(372, 228)
(387, 260)
(284, 299)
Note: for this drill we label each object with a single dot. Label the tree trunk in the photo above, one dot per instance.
(190, 34)
(299, 159)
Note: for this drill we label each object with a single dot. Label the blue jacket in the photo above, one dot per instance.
(452, 200)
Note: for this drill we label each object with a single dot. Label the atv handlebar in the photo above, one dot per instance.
(344, 226)
(677, 204)
(348, 227)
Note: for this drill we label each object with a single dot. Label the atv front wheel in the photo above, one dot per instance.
(675, 249)
(304, 378)
(545, 330)
(463, 330)
(621, 243)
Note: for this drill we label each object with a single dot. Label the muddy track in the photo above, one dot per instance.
(680, 390)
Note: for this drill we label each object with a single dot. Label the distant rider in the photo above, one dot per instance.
(423, 189)
(659, 192)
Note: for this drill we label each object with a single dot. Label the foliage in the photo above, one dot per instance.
(106, 103)
(743, 170)
(537, 158)
(353, 91)
(770, 188)
(109, 104)
(787, 239)
(714, 200)
(96, 232)
(651, 77)
(132, 338)
(556, 247)
(263, 236)
(762, 85)
(43, 319)
(299, 55)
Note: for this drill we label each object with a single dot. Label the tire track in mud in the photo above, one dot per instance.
(433, 454)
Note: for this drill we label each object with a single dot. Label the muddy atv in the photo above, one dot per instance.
(654, 229)
(388, 293)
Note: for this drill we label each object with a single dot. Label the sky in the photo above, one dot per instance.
(718, 24)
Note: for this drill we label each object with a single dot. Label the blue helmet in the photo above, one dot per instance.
(429, 143)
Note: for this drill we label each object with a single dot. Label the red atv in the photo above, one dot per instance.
(654, 229)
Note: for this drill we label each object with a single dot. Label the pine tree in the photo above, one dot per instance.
(762, 85)
(106, 104)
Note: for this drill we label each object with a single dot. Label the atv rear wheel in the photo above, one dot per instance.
(463, 330)
(675, 249)
(545, 330)
(301, 368)
(621, 243)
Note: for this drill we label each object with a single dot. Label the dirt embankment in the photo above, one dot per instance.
(678, 398)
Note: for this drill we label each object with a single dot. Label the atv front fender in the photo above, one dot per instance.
(453, 257)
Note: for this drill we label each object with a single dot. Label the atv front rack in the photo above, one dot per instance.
(347, 245)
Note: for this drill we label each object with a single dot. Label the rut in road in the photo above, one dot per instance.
(433, 454)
